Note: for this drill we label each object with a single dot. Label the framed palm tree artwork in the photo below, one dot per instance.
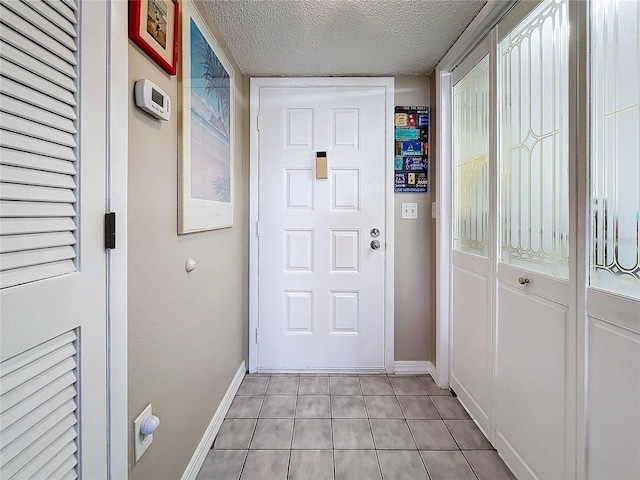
(206, 129)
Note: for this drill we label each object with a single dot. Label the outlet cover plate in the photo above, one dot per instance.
(409, 211)
(141, 442)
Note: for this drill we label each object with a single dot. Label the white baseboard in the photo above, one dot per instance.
(200, 455)
(413, 368)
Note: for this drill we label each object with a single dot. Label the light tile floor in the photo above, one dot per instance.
(349, 427)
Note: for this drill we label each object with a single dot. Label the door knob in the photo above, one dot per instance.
(375, 232)
(523, 280)
(375, 244)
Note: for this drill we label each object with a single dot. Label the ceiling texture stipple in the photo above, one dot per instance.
(340, 37)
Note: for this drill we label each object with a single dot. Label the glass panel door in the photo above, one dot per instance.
(615, 147)
(471, 161)
(533, 80)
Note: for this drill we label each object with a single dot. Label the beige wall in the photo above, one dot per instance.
(414, 260)
(187, 332)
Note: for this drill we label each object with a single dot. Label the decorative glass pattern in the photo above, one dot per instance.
(471, 161)
(533, 91)
(615, 146)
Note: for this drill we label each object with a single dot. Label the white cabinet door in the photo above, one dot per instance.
(321, 283)
(53, 330)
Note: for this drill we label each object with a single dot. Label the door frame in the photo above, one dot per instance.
(117, 106)
(256, 85)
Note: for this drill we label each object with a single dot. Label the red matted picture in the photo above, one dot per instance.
(153, 26)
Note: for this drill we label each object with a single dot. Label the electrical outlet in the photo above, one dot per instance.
(141, 442)
(409, 211)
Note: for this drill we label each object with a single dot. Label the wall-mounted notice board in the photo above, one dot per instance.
(412, 149)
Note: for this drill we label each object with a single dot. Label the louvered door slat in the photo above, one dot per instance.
(38, 438)
(45, 25)
(63, 10)
(55, 409)
(40, 400)
(46, 11)
(35, 145)
(71, 4)
(36, 162)
(36, 51)
(16, 243)
(9, 261)
(11, 20)
(36, 366)
(36, 82)
(36, 130)
(16, 226)
(29, 112)
(50, 459)
(38, 412)
(9, 209)
(11, 278)
(67, 470)
(40, 100)
(28, 176)
(15, 396)
(12, 191)
(17, 56)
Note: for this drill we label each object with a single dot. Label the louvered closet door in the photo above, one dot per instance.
(52, 260)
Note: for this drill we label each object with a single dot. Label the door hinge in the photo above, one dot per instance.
(110, 230)
(257, 229)
(257, 336)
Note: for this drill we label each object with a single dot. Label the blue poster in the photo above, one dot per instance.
(412, 149)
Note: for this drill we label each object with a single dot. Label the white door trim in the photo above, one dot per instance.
(116, 201)
(256, 85)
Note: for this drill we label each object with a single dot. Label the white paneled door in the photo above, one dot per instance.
(321, 240)
(52, 262)
(535, 330)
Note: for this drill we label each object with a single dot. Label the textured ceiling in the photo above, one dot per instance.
(340, 37)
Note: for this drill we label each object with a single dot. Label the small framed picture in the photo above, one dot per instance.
(153, 26)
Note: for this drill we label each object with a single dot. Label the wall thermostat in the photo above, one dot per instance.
(152, 99)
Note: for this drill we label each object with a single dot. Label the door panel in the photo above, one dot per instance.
(613, 295)
(472, 329)
(53, 330)
(321, 285)
(534, 370)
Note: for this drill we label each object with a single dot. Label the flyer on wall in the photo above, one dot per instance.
(411, 149)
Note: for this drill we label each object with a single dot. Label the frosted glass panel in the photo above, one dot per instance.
(615, 146)
(471, 160)
(533, 76)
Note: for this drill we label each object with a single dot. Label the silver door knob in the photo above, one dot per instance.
(375, 244)
(375, 232)
(523, 280)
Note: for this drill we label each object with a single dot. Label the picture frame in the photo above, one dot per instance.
(206, 129)
(153, 26)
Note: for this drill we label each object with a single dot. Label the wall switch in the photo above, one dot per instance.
(141, 442)
(410, 211)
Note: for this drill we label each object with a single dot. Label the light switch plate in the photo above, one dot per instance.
(141, 442)
(409, 211)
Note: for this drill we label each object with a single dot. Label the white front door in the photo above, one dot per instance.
(535, 363)
(321, 244)
(53, 274)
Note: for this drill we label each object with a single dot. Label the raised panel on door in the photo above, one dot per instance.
(320, 286)
(530, 389)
